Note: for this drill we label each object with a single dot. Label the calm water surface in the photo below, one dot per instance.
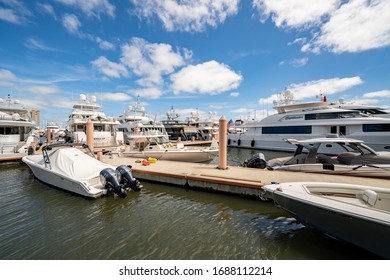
(160, 222)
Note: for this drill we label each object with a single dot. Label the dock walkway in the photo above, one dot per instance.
(234, 180)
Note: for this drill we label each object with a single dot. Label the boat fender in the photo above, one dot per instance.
(110, 181)
(252, 143)
(239, 142)
(125, 177)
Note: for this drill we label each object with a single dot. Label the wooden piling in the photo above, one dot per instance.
(222, 153)
(89, 133)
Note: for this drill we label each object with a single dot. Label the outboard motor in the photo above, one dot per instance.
(125, 177)
(257, 161)
(110, 182)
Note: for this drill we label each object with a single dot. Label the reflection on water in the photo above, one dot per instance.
(38, 221)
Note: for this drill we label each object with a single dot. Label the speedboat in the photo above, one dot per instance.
(69, 168)
(352, 157)
(356, 214)
(159, 147)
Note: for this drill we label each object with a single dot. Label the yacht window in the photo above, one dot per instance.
(14, 130)
(80, 127)
(1, 130)
(376, 127)
(338, 115)
(305, 129)
(98, 128)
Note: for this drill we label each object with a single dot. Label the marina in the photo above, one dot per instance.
(110, 175)
(162, 221)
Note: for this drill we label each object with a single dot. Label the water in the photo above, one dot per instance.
(164, 222)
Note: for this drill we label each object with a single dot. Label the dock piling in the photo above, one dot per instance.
(89, 133)
(222, 153)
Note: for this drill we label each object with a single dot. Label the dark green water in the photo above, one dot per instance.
(160, 222)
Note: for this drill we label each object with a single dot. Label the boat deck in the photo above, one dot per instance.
(234, 180)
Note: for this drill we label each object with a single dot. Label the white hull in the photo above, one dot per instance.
(58, 180)
(356, 214)
(198, 156)
(376, 171)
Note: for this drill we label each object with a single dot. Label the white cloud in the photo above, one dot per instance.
(41, 89)
(324, 86)
(314, 88)
(337, 26)
(187, 15)
(7, 78)
(115, 96)
(6, 75)
(16, 12)
(234, 94)
(294, 13)
(210, 78)
(36, 44)
(71, 23)
(108, 68)
(382, 93)
(357, 26)
(47, 9)
(92, 7)
(151, 92)
(296, 62)
(150, 61)
(104, 45)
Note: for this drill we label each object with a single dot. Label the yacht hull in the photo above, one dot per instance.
(348, 221)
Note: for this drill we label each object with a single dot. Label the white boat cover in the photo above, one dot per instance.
(75, 164)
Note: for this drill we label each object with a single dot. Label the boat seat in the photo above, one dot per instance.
(347, 157)
(298, 159)
(324, 159)
(370, 197)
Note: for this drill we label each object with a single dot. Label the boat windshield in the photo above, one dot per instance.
(334, 115)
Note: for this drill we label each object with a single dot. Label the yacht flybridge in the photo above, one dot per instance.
(135, 121)
(311, 120)
(16, 126)
(105, 133)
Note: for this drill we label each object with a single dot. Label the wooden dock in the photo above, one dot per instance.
(11, 158)
(234, 180)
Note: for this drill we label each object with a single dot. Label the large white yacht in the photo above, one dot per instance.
(135, 121)
(310, 120)
(105, 133)
(16, 126)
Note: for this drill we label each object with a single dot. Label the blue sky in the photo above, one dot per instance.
(226, 56)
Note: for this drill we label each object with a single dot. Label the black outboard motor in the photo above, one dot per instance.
(111, 183)
(125, 177)
(257, 161)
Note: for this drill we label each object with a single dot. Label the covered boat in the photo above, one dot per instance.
(69, 168)
(356, 214)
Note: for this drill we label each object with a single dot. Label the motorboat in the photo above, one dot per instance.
(135, 121)
(159, 147)
(352, 157)
(69, 168)
(105, 133)
(356, 214)
(303, 120)
(18, 126)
